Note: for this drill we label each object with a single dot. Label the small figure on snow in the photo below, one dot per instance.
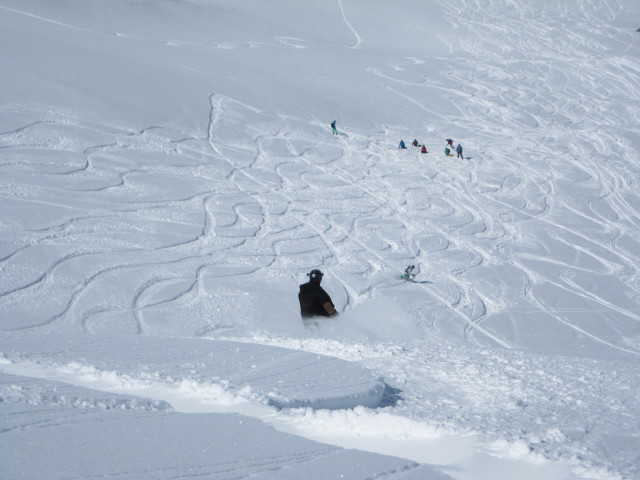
(333, 128)
(449, 142)
(415, 143)
(459, 151)
(402, 145)
(408, 273)
(424, 149)
(447, 152)
(314, 301)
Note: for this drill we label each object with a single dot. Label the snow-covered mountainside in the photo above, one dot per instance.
(168, 177)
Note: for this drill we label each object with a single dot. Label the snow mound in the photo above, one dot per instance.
(217, 372)
(23, 390)
(53, 431)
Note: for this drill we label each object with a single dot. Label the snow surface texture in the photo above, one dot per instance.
(168, 177)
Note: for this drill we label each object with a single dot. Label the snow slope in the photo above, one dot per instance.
(75, 433)
(168, 177)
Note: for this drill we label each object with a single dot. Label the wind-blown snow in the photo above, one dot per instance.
(168, 177)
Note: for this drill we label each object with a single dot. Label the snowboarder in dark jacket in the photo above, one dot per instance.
(333, 128)
(314, 301)
(459, 151)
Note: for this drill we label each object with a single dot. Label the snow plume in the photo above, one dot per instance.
(142, 384)
(155, 385)
(18, 390)
(374, 320)
(361, 422)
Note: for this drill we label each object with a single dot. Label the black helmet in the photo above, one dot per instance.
(315, 276)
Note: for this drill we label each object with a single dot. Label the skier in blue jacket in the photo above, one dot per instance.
(459, 151)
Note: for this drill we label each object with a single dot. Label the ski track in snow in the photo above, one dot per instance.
(353, 30)
(172, 226)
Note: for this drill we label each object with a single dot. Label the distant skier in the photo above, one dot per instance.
(459, 151)
(415, 143)
(449, 142)
(314, 301)
(408, 273)
(447, 152)
(333, 128)
(402, 145)
(424, 149)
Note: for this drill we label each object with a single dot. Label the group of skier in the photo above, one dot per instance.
(423, 148)
(415, 143)
(447, 150)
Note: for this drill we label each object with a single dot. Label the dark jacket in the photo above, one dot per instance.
(313, 299)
